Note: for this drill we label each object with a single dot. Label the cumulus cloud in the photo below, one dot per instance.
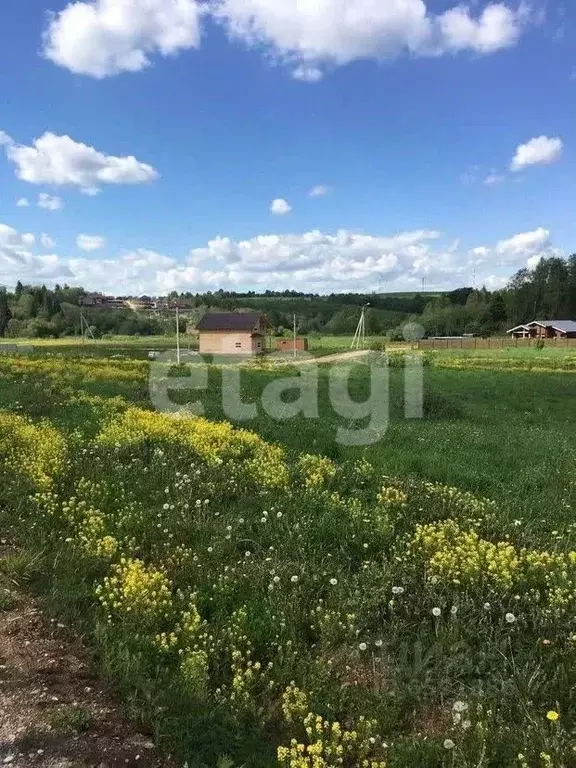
(50, 202)
(90, 242)
(497, 27)
(100, 38)
(524, 245)
(311, 35)
(538, 151)
(312, 261)
(517, 251)
(320, 261)
(280, 207)
(46, 241)
(19, 262)
(106, 37)
(23, 202)
(61, 161)
(320, 191)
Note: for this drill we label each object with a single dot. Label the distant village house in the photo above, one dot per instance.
(545, 329)
(233, 333)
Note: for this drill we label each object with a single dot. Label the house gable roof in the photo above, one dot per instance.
(230, 321)
(564, 326)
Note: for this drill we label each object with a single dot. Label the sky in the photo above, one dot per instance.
(148, 146)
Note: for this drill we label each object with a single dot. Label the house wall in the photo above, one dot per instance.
(230, 343)
(286, 344)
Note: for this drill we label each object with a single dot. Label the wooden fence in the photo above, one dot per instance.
(494, 343)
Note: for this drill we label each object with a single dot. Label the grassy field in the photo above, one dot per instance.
(270, 597)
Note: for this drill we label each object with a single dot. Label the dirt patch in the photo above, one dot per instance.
(54, 712)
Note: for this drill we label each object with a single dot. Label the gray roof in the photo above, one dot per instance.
(229, 321)
(567, 326)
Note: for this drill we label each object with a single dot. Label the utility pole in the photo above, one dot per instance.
(294, 335)
(360, 335)
(177, 335)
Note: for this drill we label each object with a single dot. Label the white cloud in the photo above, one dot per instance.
(18, 262)
(46, 241)
(280, 207)
(90, 242)
(311, 35)
(60, 160)
(538, 151)
(497, 27)
(50, 202)
(106, 37)
(23, 202)
(312, 261)
(307, 73)
(320, 191)
(524, 245)
(494, 180)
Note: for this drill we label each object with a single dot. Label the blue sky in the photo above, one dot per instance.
(442, 136)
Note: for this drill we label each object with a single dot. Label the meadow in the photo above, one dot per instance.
(262, 596)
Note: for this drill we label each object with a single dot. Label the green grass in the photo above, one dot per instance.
(510, 436)
(300, 582)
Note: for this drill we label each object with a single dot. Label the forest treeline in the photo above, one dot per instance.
(546, 292)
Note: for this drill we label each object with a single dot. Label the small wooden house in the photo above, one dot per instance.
(233, 333)
(545, 329)
(285, 344)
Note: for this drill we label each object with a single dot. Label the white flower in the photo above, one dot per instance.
(460, 706)
(449, 744)
(333, 582)
(166, 506)
(454, 610)
(263, 520)
(466, 724)
(279, 515)
(487, 606)
(397, 590)
(379, 643)
(247, 553)
(510, 618)
(436, 612)
(362, 646)
(210, 549)
(276, 579)
(294, 579)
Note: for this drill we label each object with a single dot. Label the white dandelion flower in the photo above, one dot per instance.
(510, 618)
(436, 612)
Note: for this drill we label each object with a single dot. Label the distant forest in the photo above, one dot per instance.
(546, 292)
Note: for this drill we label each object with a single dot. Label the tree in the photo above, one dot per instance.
(5, 314)
(497, 310)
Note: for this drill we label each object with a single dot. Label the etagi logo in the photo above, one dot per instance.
(294, 392)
